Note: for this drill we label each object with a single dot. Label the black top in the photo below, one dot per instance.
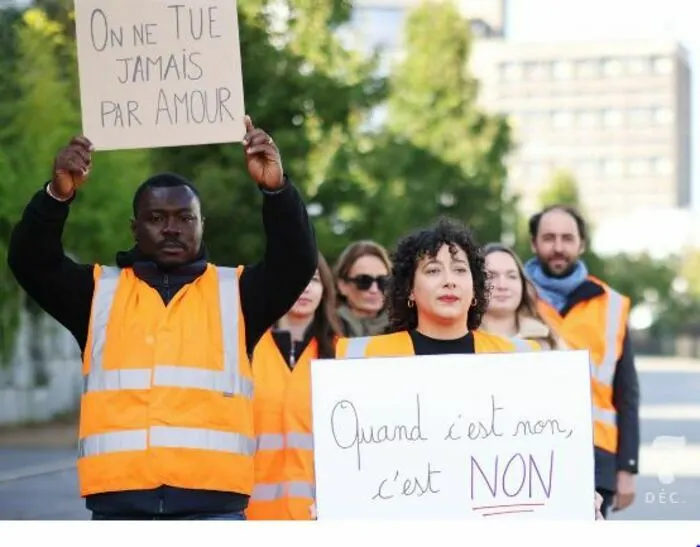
(424, 345)
(64, 289)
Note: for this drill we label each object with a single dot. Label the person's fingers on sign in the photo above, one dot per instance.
(262, 157)
(598, 503)
(71, 167)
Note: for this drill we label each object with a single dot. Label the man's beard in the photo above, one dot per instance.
(558, 275)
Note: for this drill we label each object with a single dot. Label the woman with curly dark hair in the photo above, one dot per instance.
(437, 296)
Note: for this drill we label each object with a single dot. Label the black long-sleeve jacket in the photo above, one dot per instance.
(64, 289)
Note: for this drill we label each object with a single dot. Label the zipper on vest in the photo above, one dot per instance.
(166, 286)
(292, 357)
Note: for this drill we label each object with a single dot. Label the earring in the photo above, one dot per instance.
(410, 303)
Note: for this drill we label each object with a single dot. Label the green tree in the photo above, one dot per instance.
(309, 93)
(433, 107)
(562, 190)
(40, 113)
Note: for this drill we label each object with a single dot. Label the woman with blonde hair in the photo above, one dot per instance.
(512, 309)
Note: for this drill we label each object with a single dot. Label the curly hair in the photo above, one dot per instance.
(428, 242)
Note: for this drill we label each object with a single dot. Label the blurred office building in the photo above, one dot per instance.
(615, 114)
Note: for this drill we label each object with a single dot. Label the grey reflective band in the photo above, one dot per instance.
(228, 381)
(520, 344)
(291, 489)
(162, 436)
(357, 347)
(604, 372)
(606, 416)
(278, 441)
(117, 441)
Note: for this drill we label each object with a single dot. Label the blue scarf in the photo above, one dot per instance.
(555, 290)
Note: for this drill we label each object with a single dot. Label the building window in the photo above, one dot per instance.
(613, 168)
(586, 118)
(662, 65)
(586, 68)
(638, 65)
(662, 166)
(562, 70)
(639, 116)
(611, 67)
(638, 167)
(562, 119)
(589, 168)
(511, 72)
(662, 115)
(612, 118)
(536, 70)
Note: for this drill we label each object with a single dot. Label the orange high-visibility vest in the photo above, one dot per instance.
(167, 394)
(399, 344)
(284, 463)
(597, 325)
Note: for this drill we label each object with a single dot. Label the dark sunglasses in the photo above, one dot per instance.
(364, 282)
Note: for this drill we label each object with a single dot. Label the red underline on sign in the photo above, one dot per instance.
(507, 506)
(507, 511)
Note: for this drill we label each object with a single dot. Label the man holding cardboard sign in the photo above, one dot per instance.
(166, 429)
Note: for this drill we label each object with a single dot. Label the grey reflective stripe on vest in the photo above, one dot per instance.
(168, 437)
(278, 441)
(606, 416)
(357, 347)
(520, 344)
(604, 372)
(228, 381)
(291, 489)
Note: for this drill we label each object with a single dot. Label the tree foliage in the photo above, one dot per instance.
(437, 153)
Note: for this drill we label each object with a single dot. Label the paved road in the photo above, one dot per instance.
(41, 483)
(669, 485)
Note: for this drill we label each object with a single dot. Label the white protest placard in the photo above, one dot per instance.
(485, 436)
(157, 73)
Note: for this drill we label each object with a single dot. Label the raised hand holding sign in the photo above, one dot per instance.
(262, 157)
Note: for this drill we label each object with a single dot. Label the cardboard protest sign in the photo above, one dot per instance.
(157, 73)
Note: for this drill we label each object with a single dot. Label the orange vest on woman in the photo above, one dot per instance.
(597, 325)
(399, 344)
(167, 394)
(284, 462)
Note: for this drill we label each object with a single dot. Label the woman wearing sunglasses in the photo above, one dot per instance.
(361, 275)
(284, 466)
(436, 300)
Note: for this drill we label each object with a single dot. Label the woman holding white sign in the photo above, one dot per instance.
(284, 459)
(437, 297)
(512, 308)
